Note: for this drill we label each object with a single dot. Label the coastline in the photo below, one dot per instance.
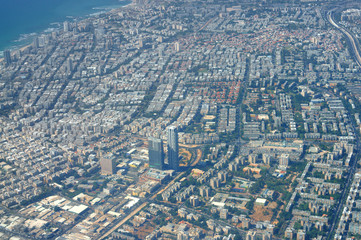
(25, 40)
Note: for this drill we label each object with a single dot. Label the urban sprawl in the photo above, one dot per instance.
(194, 119)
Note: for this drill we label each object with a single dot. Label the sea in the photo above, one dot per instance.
(21, 20)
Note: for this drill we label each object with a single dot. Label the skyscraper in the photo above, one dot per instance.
(69, 65)
(284, 159)
(177, 47)
(7, 57)
(140, 42)
(107, 164)
(173, 159)
(66, 26)
(156, 153)
(36, 43)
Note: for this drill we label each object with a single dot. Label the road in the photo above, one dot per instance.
(166, 187)
(124, 220)
(349, 180)
(351, 38)
(199, 157)
(205, 25)
(352, 168)
(138, 209)
(354, 44)
(345, 192)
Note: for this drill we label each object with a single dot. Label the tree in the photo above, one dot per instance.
(250, 204)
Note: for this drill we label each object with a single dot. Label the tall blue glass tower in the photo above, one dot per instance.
(173, 158)
(156, 153)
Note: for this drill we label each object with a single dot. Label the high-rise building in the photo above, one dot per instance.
(267, 236)
(266, 159)
(36, 42)
(214, 182)
(301, 235)
(284, 159)
(194, 200)
(7, 57)
(223, 213)
(173, 158)
(182, 236)
(204, 191)
(251, 235)
(140, 42)
(69, 65)
(177, 47)
(156, 153)
(43, 40)
(66, 26)
(252, 158)
(107, 164)
(289, 233)
(54, 35)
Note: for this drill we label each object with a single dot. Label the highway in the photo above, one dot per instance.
(352, 39)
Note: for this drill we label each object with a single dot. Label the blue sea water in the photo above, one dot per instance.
(19, 17)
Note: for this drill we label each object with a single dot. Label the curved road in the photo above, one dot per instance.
(351, 38)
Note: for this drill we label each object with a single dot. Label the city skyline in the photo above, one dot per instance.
(256, 104)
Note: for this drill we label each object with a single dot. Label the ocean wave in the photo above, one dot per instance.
(107, 8)
(25, 37)
(101, 8)
(96, 13)
(49, 30)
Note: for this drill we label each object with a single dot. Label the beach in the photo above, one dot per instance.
(22, 20)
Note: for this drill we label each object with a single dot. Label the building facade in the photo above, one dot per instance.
(156, 153)
(107, 164)
(173, 153)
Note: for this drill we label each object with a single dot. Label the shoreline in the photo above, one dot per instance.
(24, 40)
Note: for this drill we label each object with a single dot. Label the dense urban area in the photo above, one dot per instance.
(192, 119)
